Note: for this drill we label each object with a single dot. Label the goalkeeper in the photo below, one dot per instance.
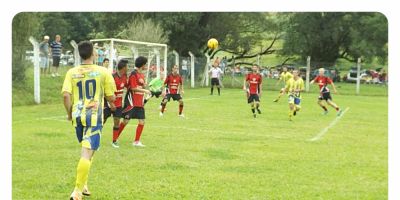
(155, 87)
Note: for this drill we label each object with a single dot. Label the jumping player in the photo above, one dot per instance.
(174, 89)
(325, 93)
(254, 82)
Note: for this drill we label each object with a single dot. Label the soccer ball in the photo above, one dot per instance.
(212, 43)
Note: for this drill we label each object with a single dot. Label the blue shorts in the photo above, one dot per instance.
(90, 136)
(294, 100)
(44, 62)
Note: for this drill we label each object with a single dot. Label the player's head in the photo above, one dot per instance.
(46, 38)
(141, 62)
(122, 66)
(106, 62)
(295, 73)
(58, 38)
(85, 49)
(254, 68)
(175, 69)
(321, 71)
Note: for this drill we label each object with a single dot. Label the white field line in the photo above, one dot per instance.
(325, 130)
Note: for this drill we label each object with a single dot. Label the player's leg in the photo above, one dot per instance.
(116, 131)
(180, 107)
(297, 105)
(212, 86)
(139, 130)
(253, 106)
(164, 103)
(90, 143)
(218, 86)
(334, 105)
(320, 99)
(281, 92)
(291, 106)
(257, 103)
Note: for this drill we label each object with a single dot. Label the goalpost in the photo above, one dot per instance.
(117, 49)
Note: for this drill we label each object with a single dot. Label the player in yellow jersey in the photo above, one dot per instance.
(84, 89)
(285, 76)
(294, 87)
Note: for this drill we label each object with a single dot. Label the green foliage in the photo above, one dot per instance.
(24, 25)
(329, 36)
(218, 152)
(145, 30)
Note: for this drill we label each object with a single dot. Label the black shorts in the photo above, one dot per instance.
(134, 113)
(325, 96)
(116, 113)
(56, 61)
(253, 97)
(175, 97)
(157, 94)
(215, 81)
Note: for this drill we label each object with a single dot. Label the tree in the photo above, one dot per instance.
(329, 36)
(145, 30)
(24, 25)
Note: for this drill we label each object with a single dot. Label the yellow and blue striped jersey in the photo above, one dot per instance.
(293, 85)
(88, 84)
(285, 77)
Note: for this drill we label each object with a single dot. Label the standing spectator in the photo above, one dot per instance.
(56, 50)
(44, 54)
(100, 55)
(184, 69)
(223, 64)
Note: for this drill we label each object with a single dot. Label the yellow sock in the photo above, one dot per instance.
(82, 172)
(91, 161)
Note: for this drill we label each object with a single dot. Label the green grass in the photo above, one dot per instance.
(218, 152)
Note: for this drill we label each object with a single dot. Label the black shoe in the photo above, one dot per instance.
(294, 113)
(259, 111)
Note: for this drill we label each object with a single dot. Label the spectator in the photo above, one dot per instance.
(184, 69)
(44, 54)
(100, 56)
(56, 51)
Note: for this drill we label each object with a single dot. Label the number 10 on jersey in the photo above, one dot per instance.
(90, 88)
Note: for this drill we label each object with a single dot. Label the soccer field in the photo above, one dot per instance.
(219, 151)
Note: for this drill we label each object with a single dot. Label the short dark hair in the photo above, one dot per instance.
(106, 59)
(85, 49)
(122, 63)
(140, 61)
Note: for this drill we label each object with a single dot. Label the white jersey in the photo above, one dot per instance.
(215, 72)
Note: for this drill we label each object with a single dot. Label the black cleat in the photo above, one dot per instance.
(259, 111)
(294, 113)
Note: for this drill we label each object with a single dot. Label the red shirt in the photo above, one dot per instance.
(137, 80)
(121, 82)
(322, 82)
(254, 81)
(173, 81)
